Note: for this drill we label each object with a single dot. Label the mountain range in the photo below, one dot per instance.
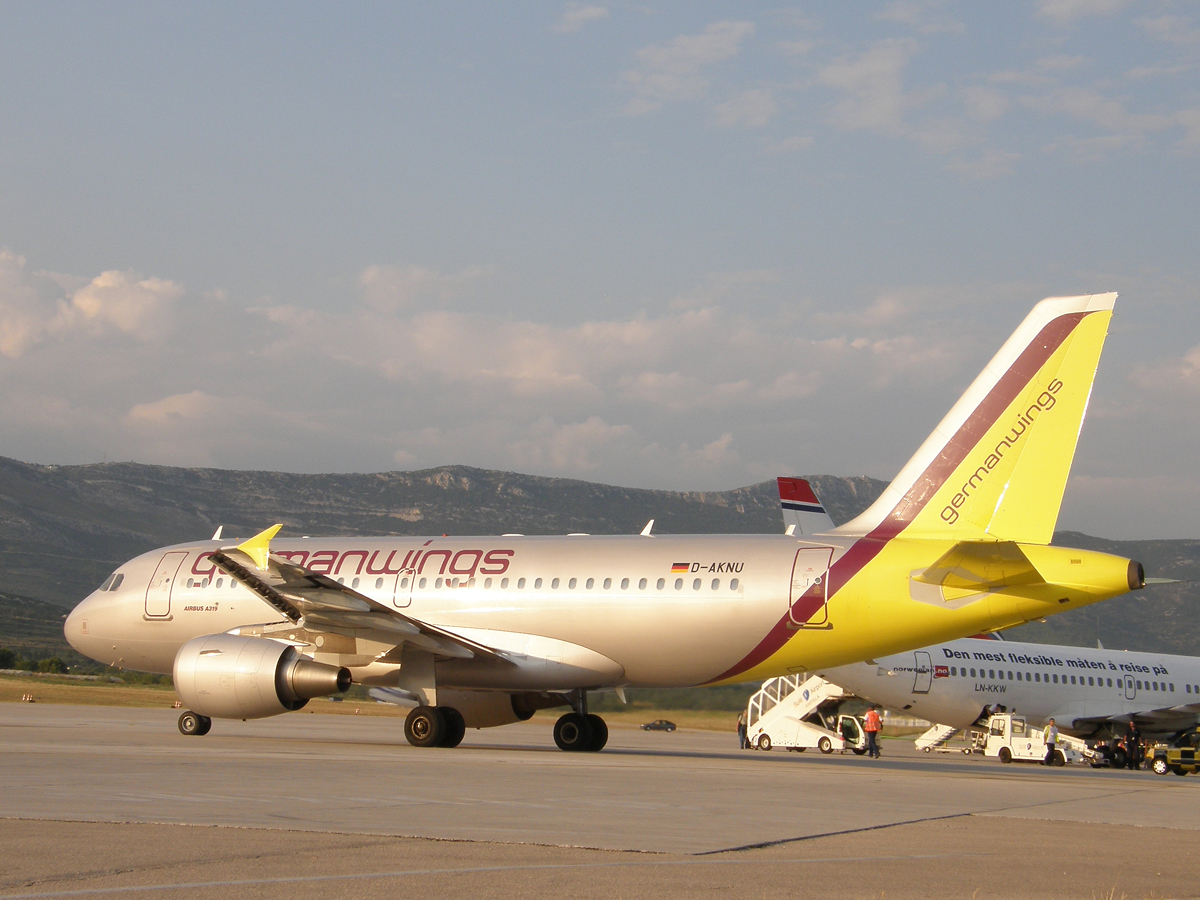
(64, 528)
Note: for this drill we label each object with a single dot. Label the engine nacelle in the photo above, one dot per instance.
(227, 676)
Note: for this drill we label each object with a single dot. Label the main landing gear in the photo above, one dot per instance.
(194, 723)
(579, 731)
(435, 726)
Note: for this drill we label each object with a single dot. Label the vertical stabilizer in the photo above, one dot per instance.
(997, 465)
(801, 508)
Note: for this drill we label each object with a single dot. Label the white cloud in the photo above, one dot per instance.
(872, 87)
(792, 144)
(575, 16)
(675, 70)
(1064, 12)
(751, 109)
(1172, 29)
(138, 306)
(34, 305)
(984, 104)
(391, 288)
(921, 15)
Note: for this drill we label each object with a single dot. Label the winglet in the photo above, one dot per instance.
(258, 548)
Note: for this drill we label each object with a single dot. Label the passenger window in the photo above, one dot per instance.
(1010, 678)
(437, 583)
(571, 584)
(1110, 682)
(972, 673)
(992, 674)
(220, 581)
(504, 584)
(1091, 682)
(354, 583)
(1056, 678)
(487, 583)
(733, 583)
(521, 583)
(404, 582)
(641, 584)
(423, 582)
(191, 582)
(554, 584)
(590, 583)
(117, 581)
(537, 584)
(608, 583)
(679, 584)
(662, 583)
(1072, 679)
(624, 584)
(1172, 687)
(716, 584)
(378, 583)
(696, 585)
(954, 670)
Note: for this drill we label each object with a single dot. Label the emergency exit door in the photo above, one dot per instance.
(809, 593)
(1130, 688)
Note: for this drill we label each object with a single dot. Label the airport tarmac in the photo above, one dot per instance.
(107, 801)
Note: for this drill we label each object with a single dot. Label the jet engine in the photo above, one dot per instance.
(228, 676)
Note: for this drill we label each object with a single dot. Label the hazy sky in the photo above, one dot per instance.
(687, 246)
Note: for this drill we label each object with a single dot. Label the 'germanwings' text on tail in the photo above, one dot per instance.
(481, 631)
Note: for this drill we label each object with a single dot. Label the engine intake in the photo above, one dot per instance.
(228, 676)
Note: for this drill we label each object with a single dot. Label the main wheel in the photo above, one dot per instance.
(573, 732)
(193, 723)
(825, 745)
(1159, 766)
(764, 742)
(1005, 755)
(424, 727)
(455, 727)
(599, 733)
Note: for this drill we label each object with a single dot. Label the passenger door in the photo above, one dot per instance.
(924, 670)
(158, 593)
(1130, 688)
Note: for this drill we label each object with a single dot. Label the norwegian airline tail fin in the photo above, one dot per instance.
(802, 511)
(997, 465)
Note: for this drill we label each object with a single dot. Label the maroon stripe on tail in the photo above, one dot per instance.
(984, 416)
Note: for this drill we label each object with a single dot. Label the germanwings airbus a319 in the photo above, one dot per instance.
(474, 632)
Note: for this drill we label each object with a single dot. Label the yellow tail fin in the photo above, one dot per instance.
(997, 465)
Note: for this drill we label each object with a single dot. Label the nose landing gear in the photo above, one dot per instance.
(193, 723)
(435, 726)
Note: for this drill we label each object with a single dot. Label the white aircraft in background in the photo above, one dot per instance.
(482, 631)
(1089, 693)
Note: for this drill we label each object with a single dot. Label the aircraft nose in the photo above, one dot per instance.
(76, 629)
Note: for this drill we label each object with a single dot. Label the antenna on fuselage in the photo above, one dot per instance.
(217, 534)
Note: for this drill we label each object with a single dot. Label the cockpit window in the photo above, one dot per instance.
(107, 583)
(117, 579)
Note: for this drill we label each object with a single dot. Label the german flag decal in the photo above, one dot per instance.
(680, 567)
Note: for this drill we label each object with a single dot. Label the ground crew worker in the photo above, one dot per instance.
(741, 730)
(1133, 750)
(872, 725)
(1050, 736)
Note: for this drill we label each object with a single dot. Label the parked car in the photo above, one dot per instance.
(659, 725)
(1179, 757)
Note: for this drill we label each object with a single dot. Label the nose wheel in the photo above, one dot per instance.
(194, 723)
(435, 726)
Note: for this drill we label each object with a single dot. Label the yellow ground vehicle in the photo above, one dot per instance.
(1179, 758)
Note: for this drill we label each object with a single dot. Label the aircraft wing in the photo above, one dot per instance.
(317, 602)
(1161, 719)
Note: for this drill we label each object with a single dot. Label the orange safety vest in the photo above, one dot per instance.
(872, 722)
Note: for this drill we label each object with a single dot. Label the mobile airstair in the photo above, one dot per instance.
(945, 739)
(797, 712)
